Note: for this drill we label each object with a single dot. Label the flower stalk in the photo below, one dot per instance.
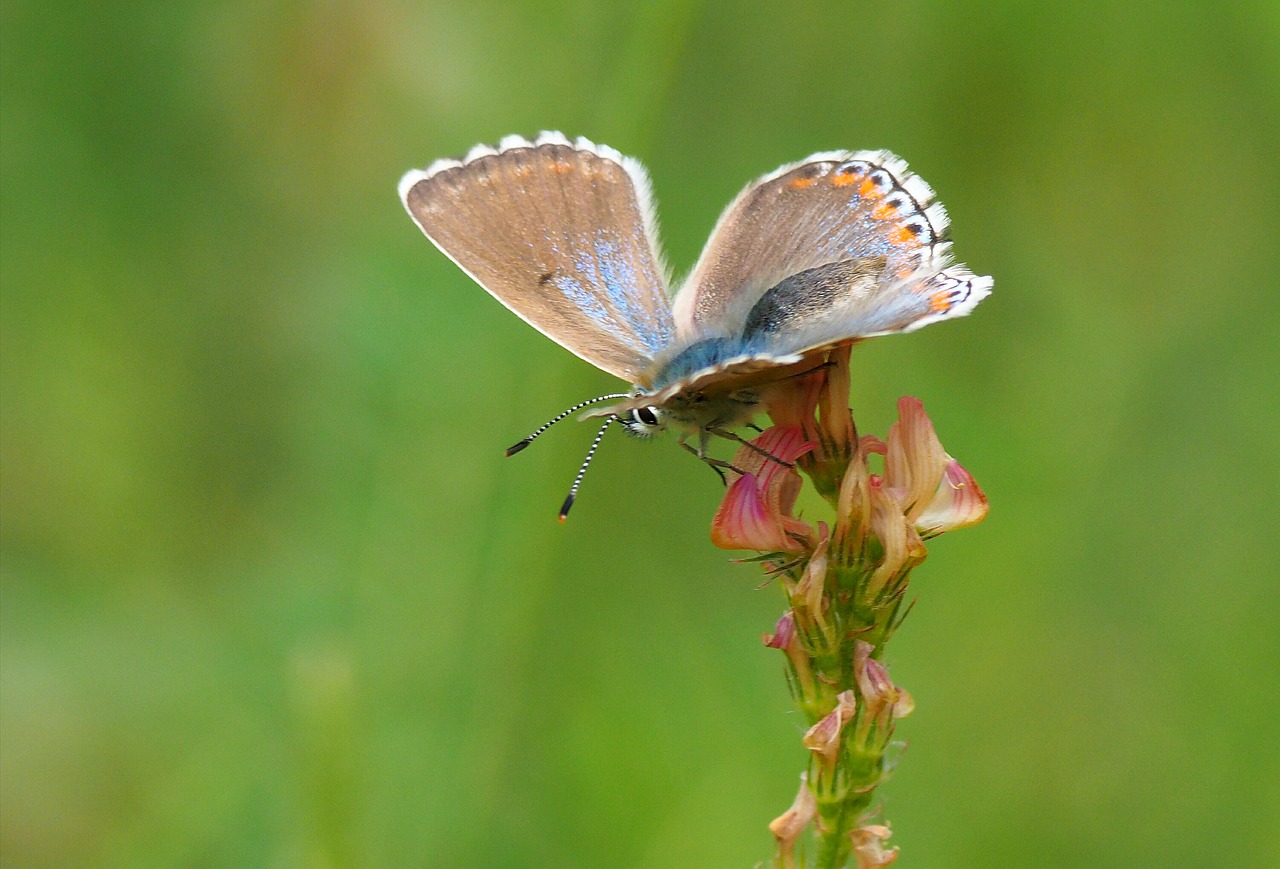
(844, 584)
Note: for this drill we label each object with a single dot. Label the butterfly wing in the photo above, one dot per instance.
(560, 232)
(839, 246)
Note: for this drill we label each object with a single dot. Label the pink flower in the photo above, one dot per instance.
(784, 632)
(796, 403)
(902, 548)
(914, 458)
(784, 637)
(957, 503)
(756, 510)
(936, 493)
(818, 404)
(809, 596)
(823, 738)
(882, 701)
(853, 501)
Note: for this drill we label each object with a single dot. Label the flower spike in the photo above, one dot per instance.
(845, 582)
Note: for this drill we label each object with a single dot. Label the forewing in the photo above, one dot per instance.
(839, 246)
(560, 232)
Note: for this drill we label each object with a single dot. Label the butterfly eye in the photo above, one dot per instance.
(642, 422)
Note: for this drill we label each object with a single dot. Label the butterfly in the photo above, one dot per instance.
(841, 246)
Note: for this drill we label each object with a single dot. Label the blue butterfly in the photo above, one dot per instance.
(841, 246)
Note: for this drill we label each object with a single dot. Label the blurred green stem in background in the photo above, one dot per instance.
(845, 586)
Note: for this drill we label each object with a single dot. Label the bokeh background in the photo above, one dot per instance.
(272, 596)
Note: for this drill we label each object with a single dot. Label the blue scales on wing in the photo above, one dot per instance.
(563, 234)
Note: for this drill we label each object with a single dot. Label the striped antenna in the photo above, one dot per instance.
(577, 481)
(511, 451)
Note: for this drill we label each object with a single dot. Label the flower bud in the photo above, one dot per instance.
(883, 702)
(823, 738)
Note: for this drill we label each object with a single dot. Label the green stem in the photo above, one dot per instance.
(835, 843)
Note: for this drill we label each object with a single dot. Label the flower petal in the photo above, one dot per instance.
(868, 847)
(853, 501)
(796, 404)
(837, 422)
(758, 515)
(823, 738)
(958, 503)
(785, 442)
(744, 522)
(870, 444)
(810, 596)
(788, 826)
(915, 460)
(902, 547)
(783, 632)
(877, 689)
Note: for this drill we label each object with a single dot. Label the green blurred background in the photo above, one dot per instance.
(272, 596)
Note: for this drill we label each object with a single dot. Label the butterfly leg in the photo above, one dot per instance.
(714, 464)
(704, 440)
(728, 435)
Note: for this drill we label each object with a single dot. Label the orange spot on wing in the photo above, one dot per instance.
(940, 301)
(868, 190)
(803, 182)
(884, 212)
(901, 235)
(844, 179)
(562, 167)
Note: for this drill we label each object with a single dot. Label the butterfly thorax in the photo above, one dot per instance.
(697, 411)
(704, 355)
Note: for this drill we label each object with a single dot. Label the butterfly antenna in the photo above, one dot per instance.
(511, 451)
(577, 481)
